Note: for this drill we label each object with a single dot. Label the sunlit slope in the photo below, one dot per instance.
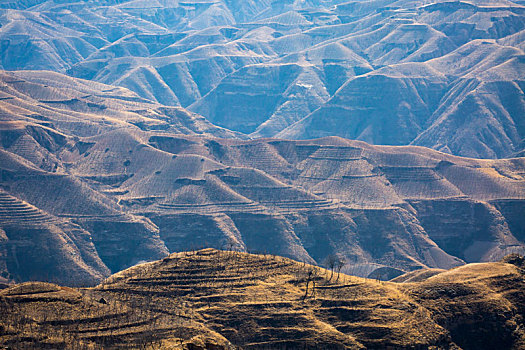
(85, 108)
(44, 315)
(221, 299)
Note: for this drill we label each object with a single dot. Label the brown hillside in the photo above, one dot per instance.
(267, 302)
(39, 315)
(142, 186)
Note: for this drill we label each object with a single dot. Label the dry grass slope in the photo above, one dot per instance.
(210, 299)
(41, 315)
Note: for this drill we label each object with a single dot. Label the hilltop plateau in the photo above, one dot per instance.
(94, 179)
(211, 299)
(448, 75)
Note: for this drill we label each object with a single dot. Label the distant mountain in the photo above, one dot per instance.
(211, 299)
(94, 179)
(441, 74)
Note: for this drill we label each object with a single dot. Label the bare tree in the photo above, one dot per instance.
(341, 262)
(311, 274)
(330, 261)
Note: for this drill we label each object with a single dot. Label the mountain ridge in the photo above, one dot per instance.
(210, 299)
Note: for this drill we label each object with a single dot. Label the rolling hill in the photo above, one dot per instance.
(441, 74)
(94, 179)
(221, 174)
(211, 299)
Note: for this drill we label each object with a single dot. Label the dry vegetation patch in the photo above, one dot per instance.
(212, 299)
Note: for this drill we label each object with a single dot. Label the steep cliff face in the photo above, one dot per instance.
(512, 211)
(486, 235)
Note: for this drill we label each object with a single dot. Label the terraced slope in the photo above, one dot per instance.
(86, 108)
(233, 299)
(17, 212)
(37, 245)
(440, 74)
(44, 315)
(141, 190)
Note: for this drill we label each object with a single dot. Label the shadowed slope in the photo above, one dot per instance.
(441, 74)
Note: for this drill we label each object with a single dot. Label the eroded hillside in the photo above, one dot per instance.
(92, 190)
(211, 299)
(441, 74)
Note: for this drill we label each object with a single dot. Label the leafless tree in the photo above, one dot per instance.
(311, 274)
(341, 262)
(331, 261)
